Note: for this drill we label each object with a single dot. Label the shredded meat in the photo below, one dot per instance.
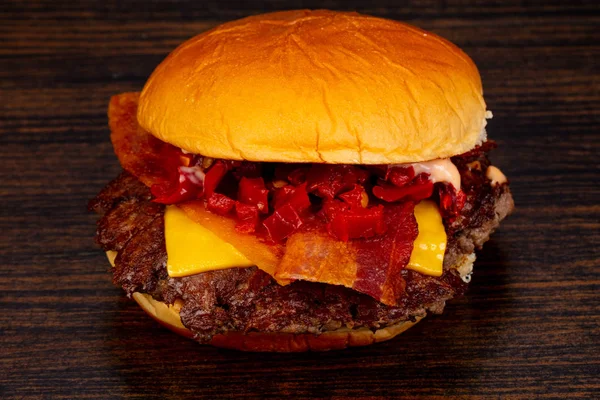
(247, 299)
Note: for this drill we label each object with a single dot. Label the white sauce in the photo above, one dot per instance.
(194, 174)
(441, 170)
(495, 175)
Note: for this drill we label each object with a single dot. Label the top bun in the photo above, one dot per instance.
(316, 86)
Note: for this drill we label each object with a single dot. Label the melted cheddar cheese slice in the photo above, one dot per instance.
(193, 249)
(428, 252)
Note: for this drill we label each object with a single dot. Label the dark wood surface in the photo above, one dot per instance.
(529, 326)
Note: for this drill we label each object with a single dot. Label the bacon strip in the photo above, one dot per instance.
(370, 265)
(149, 159)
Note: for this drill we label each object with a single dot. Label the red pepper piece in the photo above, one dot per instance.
(282, 223)
(331, 208)
(297, 197)
(220, 204)
(247, 216)
(328, 180)
(281, 195)
(451, 201)
(358, 223)
(253, 191)
(400, 176)
(353, 197)
(187, 187)
(415, 191)
(213, 176)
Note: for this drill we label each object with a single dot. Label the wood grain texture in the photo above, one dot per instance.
(529, 326)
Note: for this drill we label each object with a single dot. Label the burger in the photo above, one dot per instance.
(301, 180)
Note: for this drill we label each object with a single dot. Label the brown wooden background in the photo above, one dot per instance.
(528, 328)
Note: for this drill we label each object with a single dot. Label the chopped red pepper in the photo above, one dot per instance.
(400, 176)
(331, 208)
(420, 188)
(213, 176)
(360, 222)
(253, 191)
(220, 204)
(247, 216)
(451, 201)
(328, 180)
(297, 197)
(187, 187)
(354, 197)
(283, 222)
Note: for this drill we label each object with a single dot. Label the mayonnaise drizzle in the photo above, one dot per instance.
(495, 175)
(194, 174)
(441, 170)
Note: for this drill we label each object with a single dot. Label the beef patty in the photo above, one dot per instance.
(248, 299)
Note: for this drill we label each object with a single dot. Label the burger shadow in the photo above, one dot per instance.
(440, 354)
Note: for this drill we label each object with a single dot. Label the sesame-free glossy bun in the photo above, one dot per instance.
(316, 86)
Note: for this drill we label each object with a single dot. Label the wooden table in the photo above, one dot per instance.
(529, 326)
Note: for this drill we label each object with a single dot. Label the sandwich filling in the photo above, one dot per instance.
(314, 247)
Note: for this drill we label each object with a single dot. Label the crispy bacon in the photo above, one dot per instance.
(149, 159)
(369, 265)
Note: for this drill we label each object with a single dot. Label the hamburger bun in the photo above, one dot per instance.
(316, 87)
(168, 316)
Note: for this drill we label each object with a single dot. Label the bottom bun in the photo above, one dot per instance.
(168, 316)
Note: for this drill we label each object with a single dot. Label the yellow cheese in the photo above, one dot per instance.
(429, 248)
(192, 249)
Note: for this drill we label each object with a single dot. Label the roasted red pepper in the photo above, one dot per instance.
(327, 181)
(451, 201)
(342, 188)
(400, 176)
(247, 216)
(297, 197)
(188, 186)
(213, 177)
(355, 197)
(420, 188)
(283, 222)
(220, 204)
(357, 223)
(252, 191)
(331, 208)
